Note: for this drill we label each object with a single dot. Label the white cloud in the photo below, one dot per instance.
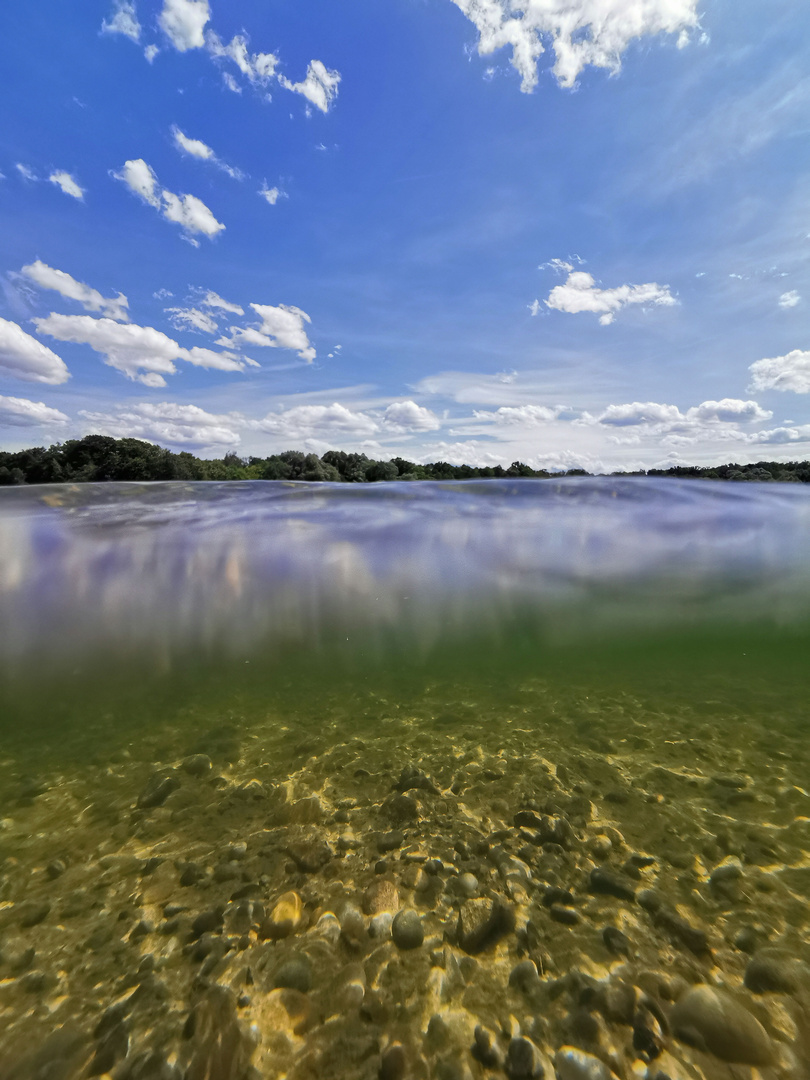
(640, 412)
(191, 214)
(123, 20)
(140, 179)
(320, 86)
(19, 412)
(789, 299)
(282, 327)
(168, 423)
(191, 319)
(150, 52)
(580, 32)
(259, 68)
(91, 299)
(183, 23)
(402, 416)
(187, 211)
(520, 415)
(25, 172)
(198, 149)
(317, 421)
(579, 293)
(728, 411)
(212, 300)
(141, 353)
(271, 194)
(26, 358)
(194, 147)
(789, 372)
(68, 184)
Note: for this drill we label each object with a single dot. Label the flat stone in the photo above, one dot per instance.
(412, 779)
(310, 856)
(218, 1046)
(407, 930)
(380, 896)
(775, 971)
(482, 923)
(390, 841)
(33, 913)
(608, 883)
(157, 789)
(616, 941)
(207, 922)
(401, 809)
(714, 1021)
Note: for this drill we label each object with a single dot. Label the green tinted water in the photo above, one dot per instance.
(596, 821)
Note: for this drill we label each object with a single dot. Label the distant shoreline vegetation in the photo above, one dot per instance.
(99, 458)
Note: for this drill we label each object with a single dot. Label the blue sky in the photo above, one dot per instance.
(573, 232)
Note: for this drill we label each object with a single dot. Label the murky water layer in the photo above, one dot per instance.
(434, 781)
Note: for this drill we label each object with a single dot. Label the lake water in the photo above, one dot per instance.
(405, 780)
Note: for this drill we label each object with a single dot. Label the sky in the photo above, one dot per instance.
(573, 233)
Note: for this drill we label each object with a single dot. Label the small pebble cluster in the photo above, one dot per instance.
(559, 889)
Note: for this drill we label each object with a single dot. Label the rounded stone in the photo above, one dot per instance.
(294, 974)
(713, 1020)
(197, 765)
(523, 1061)
(380, 925)
(468, 885)
(407, 930)
(285, 918)
(393, 1063)
(573, 1064)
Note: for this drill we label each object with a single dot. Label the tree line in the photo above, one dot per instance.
(98, 458)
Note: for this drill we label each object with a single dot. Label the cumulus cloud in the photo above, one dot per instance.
(141, 179)
(402, 416)
(123, 20)
(20, 412)
(141, 353)
(579, 32)
(640, 412)
(25, 172)
(320, 85)
(789, 372)
(729, 411)
(789, 299)
(187, 211)
(150, 52)
(91, 299)
(318, 421)
(68, 184)
(192, 319)
(198, 149)
(520, 415)
(26, 358)
(580, 293)
(168, 423)
(183, 22)
(259, 68)
(281, 327)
